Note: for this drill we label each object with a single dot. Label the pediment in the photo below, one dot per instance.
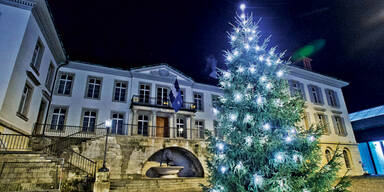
(162, 71)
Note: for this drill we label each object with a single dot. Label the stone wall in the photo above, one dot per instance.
(367, 184)
(127, 157)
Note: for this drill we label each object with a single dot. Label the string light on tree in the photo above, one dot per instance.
(267, 126)
(223, 169)
(258, 180)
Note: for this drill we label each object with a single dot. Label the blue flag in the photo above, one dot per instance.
(177, 101)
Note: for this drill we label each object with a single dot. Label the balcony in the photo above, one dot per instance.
(165, 103)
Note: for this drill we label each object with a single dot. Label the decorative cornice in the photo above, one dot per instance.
(23, 4)
(312, 76)
(97, 68)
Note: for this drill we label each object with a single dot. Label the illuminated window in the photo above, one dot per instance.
(198, 100)
(180, 128)
(296, 88)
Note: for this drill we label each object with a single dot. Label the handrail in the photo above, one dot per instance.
(161, 102)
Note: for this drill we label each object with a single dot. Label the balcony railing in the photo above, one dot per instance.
(157, 131)
(160, 102)
(60, 130)
(13, 142)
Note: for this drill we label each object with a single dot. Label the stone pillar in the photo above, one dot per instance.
(102, 183)
(153, 128)
(134, 122)
(188, 127)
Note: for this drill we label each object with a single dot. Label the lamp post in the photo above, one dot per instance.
(108, 124)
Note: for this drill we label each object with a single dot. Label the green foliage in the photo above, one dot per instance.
(261, 146)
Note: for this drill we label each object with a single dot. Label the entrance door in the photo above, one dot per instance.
(40, 117)
(162, 129)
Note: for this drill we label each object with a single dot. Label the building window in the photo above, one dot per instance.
(162, 96)
(216, 130)
(296, 88)
(25, 100)
(332, 98)
(49, 78)
(89, 120)
(118, 124)
(322, 120)
(198, 101)
(120, 93)
(328, 155)
(180, 128)
(215, 100)
(144, 93)
(37, 55)
(347, 159)
(307, 120)
(315, 94)
(339, 125)
(142, 124)
(94, 88)
(200, 128)
(65, 84)
(182, 98)
(58, 118)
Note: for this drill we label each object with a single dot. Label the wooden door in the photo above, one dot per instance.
(160, 123)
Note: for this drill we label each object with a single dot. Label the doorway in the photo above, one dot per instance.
(40, 117)
(162, 127)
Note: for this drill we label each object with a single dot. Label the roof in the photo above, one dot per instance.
(367, 113)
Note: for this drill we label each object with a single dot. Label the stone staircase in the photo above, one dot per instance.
(29, 171)
(158, 185)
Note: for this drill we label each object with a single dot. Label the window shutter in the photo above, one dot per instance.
(291, 90)
(302, 91)
(320, 94)
(337, 99)
(327, 93)
(310, 93)
(335, 125)
(344, 127)
(328, 130)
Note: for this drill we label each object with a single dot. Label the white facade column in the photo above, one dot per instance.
(152, 131)
(188, 127)
(134, 122)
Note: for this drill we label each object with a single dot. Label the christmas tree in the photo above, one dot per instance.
(260, 145)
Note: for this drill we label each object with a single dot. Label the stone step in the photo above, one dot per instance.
(157, 185)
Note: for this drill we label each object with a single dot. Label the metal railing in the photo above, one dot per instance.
(30, 176)
(160, 102)
(66, 130)
(13, 142)
(157, 131)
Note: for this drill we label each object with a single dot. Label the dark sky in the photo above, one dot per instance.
(182, 33)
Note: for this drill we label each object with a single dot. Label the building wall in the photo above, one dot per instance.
(28, 37)
(13, 22)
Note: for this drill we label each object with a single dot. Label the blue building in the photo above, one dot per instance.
(368, 126)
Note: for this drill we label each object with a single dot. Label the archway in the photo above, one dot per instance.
(178, 157)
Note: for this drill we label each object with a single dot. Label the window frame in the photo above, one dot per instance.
(49, 77)
(24, 104)
(325, 121)
(337, 122)
(347, 159)
(182, 125)
(143, 124)
(58, 84)
(114, 91)
(162, 99)
(36, 60)
(52, 114)
(332, 94)
(319, 94)
(200, 132)
(93, 92)
(299, 90)
(124, 130)
(202, 101)
(144, 91)
(83, 116)
(328, 158)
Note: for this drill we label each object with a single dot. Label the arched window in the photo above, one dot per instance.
(328, 155)
(347, 159)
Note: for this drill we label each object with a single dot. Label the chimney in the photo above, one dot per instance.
(307, 63)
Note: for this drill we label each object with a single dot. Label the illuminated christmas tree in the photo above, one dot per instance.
(261, 146)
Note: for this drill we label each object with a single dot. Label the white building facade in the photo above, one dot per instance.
(136, 100)
(30, 52)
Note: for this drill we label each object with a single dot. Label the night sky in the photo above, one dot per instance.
(183, 33)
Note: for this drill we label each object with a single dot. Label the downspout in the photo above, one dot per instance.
(52, 90)
(130, 100)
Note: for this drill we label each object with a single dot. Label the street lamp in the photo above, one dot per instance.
(108, 124)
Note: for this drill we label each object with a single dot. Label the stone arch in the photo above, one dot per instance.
(347, 158)
(179, 157)
(328, 152)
